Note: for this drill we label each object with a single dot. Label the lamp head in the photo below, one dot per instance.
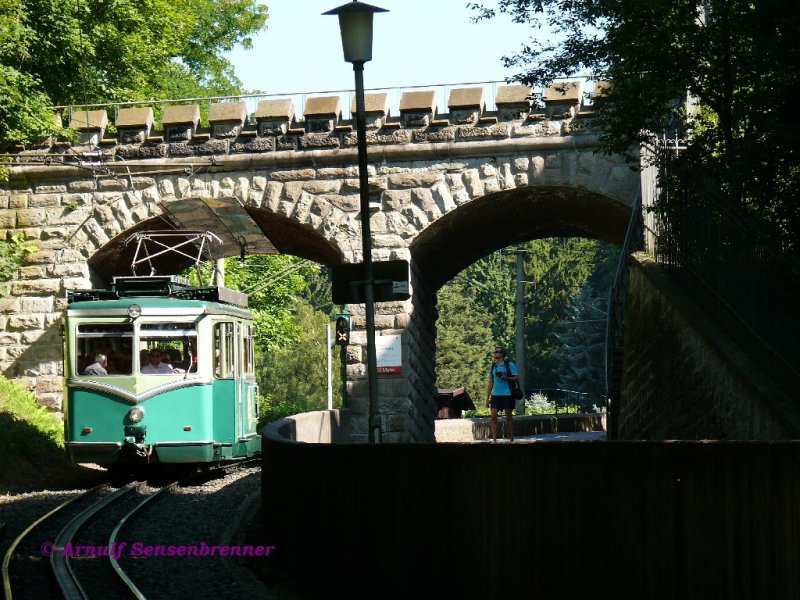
(355, 23)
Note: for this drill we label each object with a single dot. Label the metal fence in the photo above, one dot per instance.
(730, 268)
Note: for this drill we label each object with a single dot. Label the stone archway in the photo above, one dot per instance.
(461, 237)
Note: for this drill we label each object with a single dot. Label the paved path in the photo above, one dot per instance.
(567, 436)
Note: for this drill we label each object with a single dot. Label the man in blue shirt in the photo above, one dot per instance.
(498, 389)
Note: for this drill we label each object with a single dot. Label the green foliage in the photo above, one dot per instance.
(12, 255)
(558, 268)
(539, 404)
(737, 58)
(464, 341)
(21, 406)
(90, 51)
(490, 281)
(273, 283)
(291, 355)
(273, 409)
(582, 336)
(476, 311)
(293, 378)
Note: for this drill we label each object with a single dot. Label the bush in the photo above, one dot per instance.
(26, 427)
(538, 404)
(12, 255)
(269, 411)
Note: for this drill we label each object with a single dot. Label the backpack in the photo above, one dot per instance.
(516, 392)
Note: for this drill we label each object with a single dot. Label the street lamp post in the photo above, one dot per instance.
(355, 23)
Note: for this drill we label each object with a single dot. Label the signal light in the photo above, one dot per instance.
(342, 330)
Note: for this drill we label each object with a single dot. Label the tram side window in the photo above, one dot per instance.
(103, 349)
(224, 350)
(167, 348)
(248, 352)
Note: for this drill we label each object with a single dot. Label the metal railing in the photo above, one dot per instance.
(617, 296)
(731, 269)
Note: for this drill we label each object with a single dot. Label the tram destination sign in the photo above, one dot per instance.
(391, 282)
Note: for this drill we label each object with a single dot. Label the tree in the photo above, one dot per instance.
(737, 58)
(464, 341)
(582, 336)
(273, 283)
(293, 378)
(490, 281)
(476, 309)
(558, 269)
(94, 51)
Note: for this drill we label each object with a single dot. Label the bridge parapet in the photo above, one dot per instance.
(138, 133)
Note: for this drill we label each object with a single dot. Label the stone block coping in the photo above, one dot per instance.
(513, 95)
(184, 114)
(567, 92)
(422, 101)
(228, 112)
(323, 106)
(135, 118)
(89, 120)
(461, 98)
(275, 110)
(373, 104)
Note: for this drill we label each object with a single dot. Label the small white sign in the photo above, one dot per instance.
(388, 349)
(399, 287)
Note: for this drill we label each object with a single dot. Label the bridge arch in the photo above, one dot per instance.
(286, 235)
(501, 219)
(484, 225)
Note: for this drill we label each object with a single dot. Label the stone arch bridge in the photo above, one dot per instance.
(447, 187)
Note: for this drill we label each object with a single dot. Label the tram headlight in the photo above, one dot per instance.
(136, 414)
(134, 311)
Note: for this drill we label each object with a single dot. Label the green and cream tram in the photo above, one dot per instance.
(159, 371)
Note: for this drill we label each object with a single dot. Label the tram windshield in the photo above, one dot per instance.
(167, 348)
(104, 349)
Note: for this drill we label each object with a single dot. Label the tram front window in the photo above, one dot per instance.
(104, 349)
(167, 348)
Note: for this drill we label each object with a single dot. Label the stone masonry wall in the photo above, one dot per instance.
(684, 379)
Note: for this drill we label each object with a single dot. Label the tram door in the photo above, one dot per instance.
(235, 372)
(226, 370)
(239, 381)
(249, 394)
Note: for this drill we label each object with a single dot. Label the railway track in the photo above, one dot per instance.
(74, 549)
(60, 554)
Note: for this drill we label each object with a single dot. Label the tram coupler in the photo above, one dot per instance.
(138, 449)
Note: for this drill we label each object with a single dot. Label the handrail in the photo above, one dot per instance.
(617, 295)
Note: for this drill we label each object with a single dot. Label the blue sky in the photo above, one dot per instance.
(418, 42)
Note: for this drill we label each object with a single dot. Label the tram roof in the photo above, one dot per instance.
(154, 307)
(158, 295)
